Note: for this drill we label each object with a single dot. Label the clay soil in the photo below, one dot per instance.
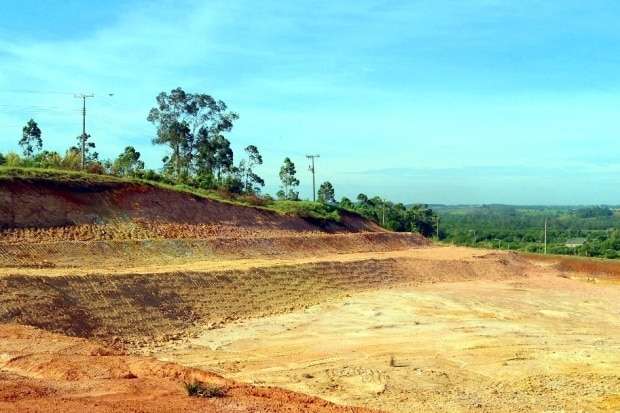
(546, 341)
(43, 372)
(426, 329)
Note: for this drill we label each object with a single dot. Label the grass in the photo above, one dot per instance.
(303, 209)
(307, 209)
(200, 389)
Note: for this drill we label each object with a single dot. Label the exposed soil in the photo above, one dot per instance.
(43, 372)
(538, 343)
(344, 312)
(111, 255)
(28, 203)
(150, 304)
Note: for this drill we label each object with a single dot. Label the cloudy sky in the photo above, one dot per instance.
(437, 101)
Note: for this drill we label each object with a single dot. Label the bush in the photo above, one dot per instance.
(253, 199)
(200, 389)
(307, 209)
(13, 160)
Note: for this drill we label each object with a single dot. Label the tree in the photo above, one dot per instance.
(128, 162)
(192, 125)
(326, 193)
(252, 182)
(346, 203)
(222, 156)
(362, 199)
(89, 156)
(422, 219)
(289, 181)
(2, 159)
(31, 141)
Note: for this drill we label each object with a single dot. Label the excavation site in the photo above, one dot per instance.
(120, 296)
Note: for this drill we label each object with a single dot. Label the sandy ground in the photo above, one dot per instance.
(516, 336)
(44, 372)
(432, 253)
(541, 343)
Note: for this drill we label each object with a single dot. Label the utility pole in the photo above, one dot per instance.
(311, 169)
(84, 136)
(437, 227)
(545, 236)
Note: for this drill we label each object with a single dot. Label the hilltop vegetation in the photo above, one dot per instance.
(592, 231)
(201, 161)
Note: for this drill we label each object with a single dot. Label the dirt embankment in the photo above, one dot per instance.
(29, 203)
(40, 371)
(144, 305)
(131, 253)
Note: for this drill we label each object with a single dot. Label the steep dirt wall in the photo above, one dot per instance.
(43, 204)
(156, 306)
(141, 252)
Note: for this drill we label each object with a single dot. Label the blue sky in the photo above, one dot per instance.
(442, 101)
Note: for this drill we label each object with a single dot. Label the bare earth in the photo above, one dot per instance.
(543, 342)
(430, 329)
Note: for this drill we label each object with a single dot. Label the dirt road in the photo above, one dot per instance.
(542, 343)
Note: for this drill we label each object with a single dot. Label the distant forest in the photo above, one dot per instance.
(592, 231)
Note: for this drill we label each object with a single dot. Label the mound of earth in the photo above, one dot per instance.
(44, 203)
(45, 372)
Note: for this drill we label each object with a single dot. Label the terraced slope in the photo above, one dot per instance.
(144, 304)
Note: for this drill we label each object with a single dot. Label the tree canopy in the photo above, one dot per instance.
(252, 182)
(326, 193)
(128, 162)
(31, 141)
(289, 181)
(193, 126)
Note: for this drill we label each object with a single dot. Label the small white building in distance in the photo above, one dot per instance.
(575, 242)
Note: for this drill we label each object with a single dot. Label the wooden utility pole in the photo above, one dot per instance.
(311, 169)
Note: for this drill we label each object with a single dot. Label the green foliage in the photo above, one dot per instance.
(394, 216)
(128, 163)
(13, 160)
(31, 141)
(594, 212)
(306, 209)
(289, 181)
(193, 126)
(252, 182)
(200, 389)
(90, 156)
(326, 193)
(522, 228)
(2, 159)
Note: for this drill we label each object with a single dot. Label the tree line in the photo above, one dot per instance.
(194, 127)
(592, 231)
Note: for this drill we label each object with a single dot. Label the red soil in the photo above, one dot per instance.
(45, 372)
(44, 204)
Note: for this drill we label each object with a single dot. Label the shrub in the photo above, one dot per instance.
(253, 199)
(200, 389)
(13, 160)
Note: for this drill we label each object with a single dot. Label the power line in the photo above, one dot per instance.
(312, 169)
(36, 92)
